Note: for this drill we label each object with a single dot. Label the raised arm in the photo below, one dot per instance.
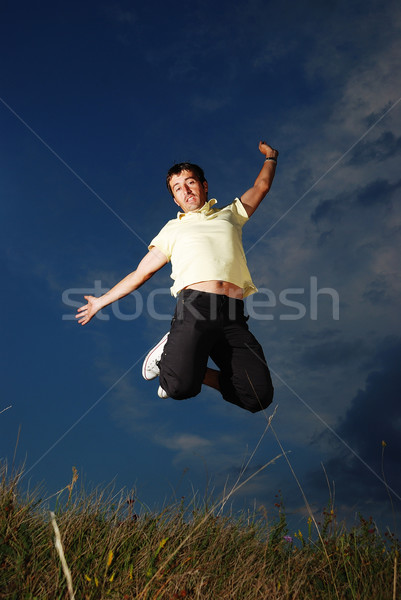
(254, 196)
(151, 262)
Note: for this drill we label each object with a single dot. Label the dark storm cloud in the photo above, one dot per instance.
(322, 334)
(379, 291)
(378, 192)
(334, 353)
(324, 237)
(384, 147)
(373, 417)
(329, 210)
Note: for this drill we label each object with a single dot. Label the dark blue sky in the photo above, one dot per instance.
(97, 100)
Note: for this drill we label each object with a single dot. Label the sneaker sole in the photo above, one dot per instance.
(162, 393)
(145, 362)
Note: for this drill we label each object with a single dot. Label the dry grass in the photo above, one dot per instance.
(183, 552)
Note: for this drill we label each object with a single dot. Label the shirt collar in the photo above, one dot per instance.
(206, 209)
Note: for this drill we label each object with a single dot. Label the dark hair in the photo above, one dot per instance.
(185, 166)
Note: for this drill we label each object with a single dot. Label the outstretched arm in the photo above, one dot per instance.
(254, 196)
(151, 262)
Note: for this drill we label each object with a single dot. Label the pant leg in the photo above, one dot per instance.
(244, 375)
(192, 334)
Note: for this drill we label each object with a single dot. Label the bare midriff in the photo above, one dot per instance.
(218, 287)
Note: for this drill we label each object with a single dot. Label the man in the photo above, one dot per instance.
(211, 278)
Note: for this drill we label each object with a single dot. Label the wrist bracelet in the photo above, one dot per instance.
(272, 158)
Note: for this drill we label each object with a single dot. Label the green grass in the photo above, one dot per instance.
(185, 551)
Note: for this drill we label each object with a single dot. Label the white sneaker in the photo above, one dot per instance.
(161, 393)
(150, 367)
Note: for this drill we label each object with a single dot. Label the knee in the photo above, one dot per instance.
(259, 391)
(258, 402)
(179, 390)
(178, 393)
(253, 399)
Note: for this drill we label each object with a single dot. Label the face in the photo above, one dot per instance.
(189, 192)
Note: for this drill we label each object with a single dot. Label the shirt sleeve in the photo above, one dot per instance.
(239, 211)
(163, 242)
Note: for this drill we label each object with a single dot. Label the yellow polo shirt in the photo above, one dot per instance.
(205, 245)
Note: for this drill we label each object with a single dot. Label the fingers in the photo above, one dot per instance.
(82, 314)
(84, 318)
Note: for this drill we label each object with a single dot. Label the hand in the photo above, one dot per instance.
(86, 312)
(267, 150)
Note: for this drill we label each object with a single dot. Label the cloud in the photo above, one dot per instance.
(329, 210)
(380, 291)
(322, 334)
(373, 417)
(334, 353)
(385, 146)
(185, 442)
(378, 192)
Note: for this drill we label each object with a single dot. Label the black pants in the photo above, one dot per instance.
(214, 325)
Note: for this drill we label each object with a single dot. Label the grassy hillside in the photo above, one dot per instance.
(185, 551)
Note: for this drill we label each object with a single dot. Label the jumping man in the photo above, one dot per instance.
(211, 278)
